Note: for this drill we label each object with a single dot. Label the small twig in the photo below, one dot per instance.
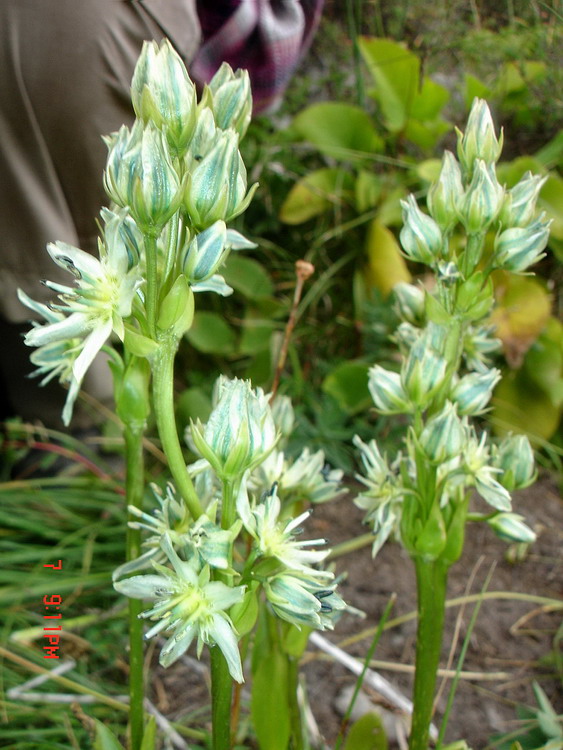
(303, 271)
(166, 727)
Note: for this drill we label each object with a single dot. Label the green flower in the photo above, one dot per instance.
(519, 204)
(520, 247)
(189, 606)
(444, 194)
(479, 140)
(387, 391)
(420, 236)
(510, 527)
(230, 98)
(473, 392)
(443, 435)
(482, 201)
(303, 600)
(514, 458)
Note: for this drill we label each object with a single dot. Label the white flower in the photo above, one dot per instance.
(302, 600)
(188, 605)
(481, 474)
(102, 296)
(274, 537)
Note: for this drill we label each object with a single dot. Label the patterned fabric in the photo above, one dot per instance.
(267, 37)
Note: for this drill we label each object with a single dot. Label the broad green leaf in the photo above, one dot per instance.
(516, 77)
(367, 734)
(149, 735)
(343, 131)
(295, 640)
(429, 170)
(244, 613)
(551, 155)
(314, 194)
(105, 738)
(248, 277)
(386, 266)
(348, 384)
(522, 312)
(390, 212)
(426, 134)
(429, 101)
(256, 333)
(551, 201)
(544, 361)
(193, 403)
(211, 334)
(474, 88)
(520, 406)
(395, 71)
(269, 703)
(367, 190)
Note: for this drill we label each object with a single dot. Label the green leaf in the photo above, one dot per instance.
(429, 170)
(429, 101)
(520, 406)
(367, 734)
(269, 703)
(390, 212)
(245, 613)
(248, 277)
(543, 363)
(295, 641)
(256, 333)
(386, 265)
(314, 194)
(105, 738)
(343, 131)
(348, 384)
(193, 403)
(395, 72)
(551, 201)
(367, 190)
(474, 88)
(210, 334)
(149, 735)
(426, 134)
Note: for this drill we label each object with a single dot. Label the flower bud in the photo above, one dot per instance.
(203, 139)
(240, 432)
(217, 185)
(162, 92)
(443, 435)
(206, 253)
(510, 527)
(515, 457)
(177, 309)
(483, 199)
(409, 300)
(420, 236)
(386, 391)
(520, 247)
(422, 373)
(122, 238)
(519, 205)
(445, 193)
(230, 98)
(139, 174)
(479, 140)
(473, 392)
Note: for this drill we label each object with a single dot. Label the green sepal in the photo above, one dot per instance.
(435, 311)
(132, 399)
(455, 535)
(137, 344)
(245, 613)
(177, 308)
(431, 539)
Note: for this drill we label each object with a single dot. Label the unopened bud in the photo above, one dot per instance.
(515, 457)
(420, 236)
(520, 247)
(519, 205)
(206, 253)
(510, 527)
(473, 392)
(386, 391)
(482, 202)
(229, 96)
(177, 309)
(443, 435)
(479, 140)
(423, 373)
(445, 193)
(409, 302)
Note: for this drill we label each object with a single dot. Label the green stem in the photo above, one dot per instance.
(151, 301)
(297, 738)
(431, 579)
(221, 698)
(472, 254)
(163, 398)
(134, 485)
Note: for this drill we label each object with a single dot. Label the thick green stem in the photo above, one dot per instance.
(431, 579)
(134, 485)
(151, 294)
(163, 398)
(221, 699)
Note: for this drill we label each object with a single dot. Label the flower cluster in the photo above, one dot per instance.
(175, 178)
(445, 378)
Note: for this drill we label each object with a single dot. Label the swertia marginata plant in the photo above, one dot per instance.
(423, 495)
(222, 544)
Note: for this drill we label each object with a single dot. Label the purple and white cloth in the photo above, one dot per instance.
(267, 37)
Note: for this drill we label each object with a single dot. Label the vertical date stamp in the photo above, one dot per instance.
(52, 617)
